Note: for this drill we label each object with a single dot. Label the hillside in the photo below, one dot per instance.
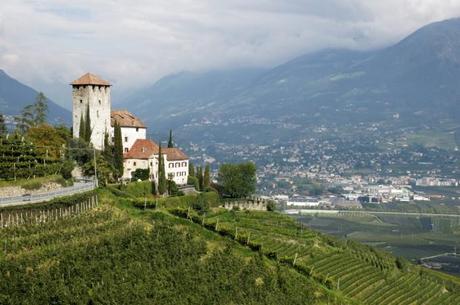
(14, 96)
(414, 83)
(120, 254)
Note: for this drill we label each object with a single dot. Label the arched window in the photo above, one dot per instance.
(177, 164)
(171, 165)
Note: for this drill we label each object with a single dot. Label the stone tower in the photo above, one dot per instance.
(90, 90)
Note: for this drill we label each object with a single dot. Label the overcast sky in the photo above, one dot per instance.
(49, 43)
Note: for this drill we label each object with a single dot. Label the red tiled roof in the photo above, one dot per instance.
(90, 79)
(142, 149)
(125, 118)
(174, 154)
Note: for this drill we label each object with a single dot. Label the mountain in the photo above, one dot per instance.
(14, 96)
(415, 82)
(181, 96)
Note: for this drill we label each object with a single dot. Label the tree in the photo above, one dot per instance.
(199, 176)
(47, 140)
(238, 180)
(3, 129)
(25, 120)
(108, 149)
(41, 108)
(161, 173)
(140, 174)
(191, 169)
(82, 128)
(88, 130)
(118, 150)
(192, 180)
(173, 190)
(207, 176)
(170, 141)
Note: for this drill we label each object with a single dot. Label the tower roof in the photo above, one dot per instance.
(90, 79)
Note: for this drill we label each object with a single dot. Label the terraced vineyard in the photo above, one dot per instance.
(116, 254)
(357, 271)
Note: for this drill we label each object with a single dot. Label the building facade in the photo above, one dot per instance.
(144, 154)
(132, 128)
(90, 92)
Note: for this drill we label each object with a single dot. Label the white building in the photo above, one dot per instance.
(132, 128)
(144, 154)
(90, 92)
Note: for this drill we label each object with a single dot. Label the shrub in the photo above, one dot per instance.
(32, 185)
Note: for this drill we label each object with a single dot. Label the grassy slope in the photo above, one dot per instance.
(357, 271)
(121, 255)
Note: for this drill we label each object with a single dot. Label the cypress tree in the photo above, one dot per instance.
(82, 129)
(118, 150)
(191, 169)
(108, 151)
(170, 141)
(207, 176)
(200, 177)
(88, 130)
(161, 174)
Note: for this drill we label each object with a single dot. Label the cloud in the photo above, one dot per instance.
(48, 43)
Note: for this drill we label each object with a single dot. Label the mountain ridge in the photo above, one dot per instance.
(14, 96)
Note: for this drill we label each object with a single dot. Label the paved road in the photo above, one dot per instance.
(313, 211)
(78, 187)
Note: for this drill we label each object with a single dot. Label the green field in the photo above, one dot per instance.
(408, 236)
(186, 252)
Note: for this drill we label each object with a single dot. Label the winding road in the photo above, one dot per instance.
(78, 187)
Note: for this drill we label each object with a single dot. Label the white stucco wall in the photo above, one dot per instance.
(178, 170)
(130, 166)
(98, 99)
(129, 135)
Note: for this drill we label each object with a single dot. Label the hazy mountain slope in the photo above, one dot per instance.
(416, 81)
(182, 96)
(15, 95)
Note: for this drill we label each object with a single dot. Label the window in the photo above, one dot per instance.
(81, 101)
(126, 139)
(184, 164)
(97, 113)
(171, 165)
(177, 164)
(137, 129)
(99, 102)
(126, 149)
(134, 163)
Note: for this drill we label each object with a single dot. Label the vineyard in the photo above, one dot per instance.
(20, 159)
(357, 271)
(118, 255)
(50, 211)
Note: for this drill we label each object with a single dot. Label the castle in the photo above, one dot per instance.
(91, 93)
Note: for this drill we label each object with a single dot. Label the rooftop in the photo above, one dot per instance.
(174, 154)
(142, 149)
(125, 118)
(90, 79)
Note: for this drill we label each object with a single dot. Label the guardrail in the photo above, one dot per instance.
(78, 187)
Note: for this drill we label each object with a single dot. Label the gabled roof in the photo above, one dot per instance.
(142, 149)
(125, 118)
(174, 154)
(90, 79)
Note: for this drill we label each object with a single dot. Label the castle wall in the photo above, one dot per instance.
(98, 99)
